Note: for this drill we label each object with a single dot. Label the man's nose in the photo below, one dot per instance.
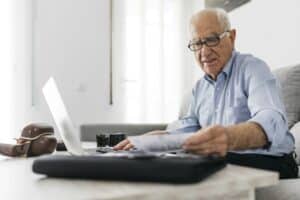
(205, 51)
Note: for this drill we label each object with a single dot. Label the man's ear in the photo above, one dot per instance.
(232, 35)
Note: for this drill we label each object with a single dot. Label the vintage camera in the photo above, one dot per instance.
(109, 139)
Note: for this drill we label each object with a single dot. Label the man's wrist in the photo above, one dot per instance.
(230, 139)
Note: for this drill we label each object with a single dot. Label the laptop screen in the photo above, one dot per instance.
(67, 130)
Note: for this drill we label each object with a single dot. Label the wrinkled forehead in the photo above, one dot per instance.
(205, 24)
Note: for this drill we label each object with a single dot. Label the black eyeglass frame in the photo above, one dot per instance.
(200, 42)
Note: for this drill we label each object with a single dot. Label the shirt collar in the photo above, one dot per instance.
(226, 70)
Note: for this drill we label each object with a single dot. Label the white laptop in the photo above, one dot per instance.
(65, 126)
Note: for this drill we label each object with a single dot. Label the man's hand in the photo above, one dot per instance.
(208, 141)
(123, 145)
(126, 145)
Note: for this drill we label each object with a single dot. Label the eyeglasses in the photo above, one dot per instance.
(211, 41)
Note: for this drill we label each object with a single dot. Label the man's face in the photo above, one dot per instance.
(212, 59)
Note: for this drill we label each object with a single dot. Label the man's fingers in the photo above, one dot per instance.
(213, 142)
(199, 137)
(206, 135)
(216, 145)
(128, 146)
(121, 144)
(222, 150)
(219, 149)
(201, 146)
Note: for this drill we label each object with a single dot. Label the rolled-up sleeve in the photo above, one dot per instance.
(273, 124)
(265, 104)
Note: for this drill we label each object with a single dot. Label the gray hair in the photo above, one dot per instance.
(221, 14)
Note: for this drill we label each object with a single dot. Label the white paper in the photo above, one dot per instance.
(158, 143)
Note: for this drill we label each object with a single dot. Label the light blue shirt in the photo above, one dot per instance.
(244, 91)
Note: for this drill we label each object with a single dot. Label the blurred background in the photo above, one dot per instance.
(122, 61)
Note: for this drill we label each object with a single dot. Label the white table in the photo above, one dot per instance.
(18, 182)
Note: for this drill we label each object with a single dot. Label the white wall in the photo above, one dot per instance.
(6, 58)
(270, 30)
(71, 43)
(22, 54)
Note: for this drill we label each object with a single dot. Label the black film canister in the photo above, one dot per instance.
(102, 140)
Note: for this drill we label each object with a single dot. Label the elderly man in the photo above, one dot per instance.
(236, 110)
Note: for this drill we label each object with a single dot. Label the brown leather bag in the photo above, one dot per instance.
(36, 139)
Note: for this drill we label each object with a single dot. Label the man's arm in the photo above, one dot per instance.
(220, 139)
(247, 135)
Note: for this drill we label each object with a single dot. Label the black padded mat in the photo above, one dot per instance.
(172, 169)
